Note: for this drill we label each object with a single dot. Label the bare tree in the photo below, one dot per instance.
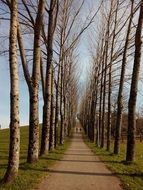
(133, 91)
(120, 94)
(14, 147)
(53, 11)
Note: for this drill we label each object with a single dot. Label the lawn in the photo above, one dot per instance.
(130, 175)
(29, 175)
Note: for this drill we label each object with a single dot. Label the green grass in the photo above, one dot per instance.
(29, 175)
(130, 175)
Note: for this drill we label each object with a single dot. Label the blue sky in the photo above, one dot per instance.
(4, 93)
(24, 97)
(5, 82)
(84, 64)
(5, 100)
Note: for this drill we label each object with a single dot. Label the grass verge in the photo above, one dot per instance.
(131, 176)
(29, 175)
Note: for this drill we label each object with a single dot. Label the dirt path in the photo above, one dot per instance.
(79, 169)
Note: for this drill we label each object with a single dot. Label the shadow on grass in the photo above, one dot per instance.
(102, 154)
(26, 167)
(5, 158)
(3, 166)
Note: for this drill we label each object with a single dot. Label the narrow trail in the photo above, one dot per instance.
(79, 169)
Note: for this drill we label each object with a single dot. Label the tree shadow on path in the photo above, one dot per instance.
(94, 173)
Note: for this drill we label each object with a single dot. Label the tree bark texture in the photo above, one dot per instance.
(47, 98)
(33, 146)
(14, 146)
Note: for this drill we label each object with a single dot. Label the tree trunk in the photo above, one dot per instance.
(47, 98)
(61, 107)
(100, 106)
(133, 92)
(105, 73)
(46, 115)
(32, 82)
(120, 93)
(110, 81)
(57, 107)
(14, 147)
(33, 146)
(52, 116)
(101, 93)
(104, 90)
(93, 107)
(104, 101)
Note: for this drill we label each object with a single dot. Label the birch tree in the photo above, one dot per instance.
(14, 146)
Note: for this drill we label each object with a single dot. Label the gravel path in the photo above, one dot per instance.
(79, 169)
